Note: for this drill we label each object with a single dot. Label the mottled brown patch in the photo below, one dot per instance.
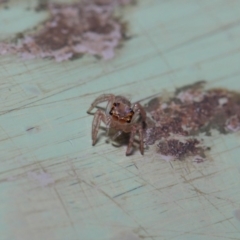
(73, 30)
(179, 149)
(191, 111)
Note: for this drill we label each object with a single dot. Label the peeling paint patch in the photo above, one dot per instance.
(175, 147)
(86, 27)
(190, 111)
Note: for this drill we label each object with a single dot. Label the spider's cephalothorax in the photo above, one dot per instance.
(121, 116)
(121, 112)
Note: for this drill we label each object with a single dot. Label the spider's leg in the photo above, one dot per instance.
(116, 135)
(111, 100)
(141, 139)
(137, 107)
(131, 139)
(98, 117)
(100, 99)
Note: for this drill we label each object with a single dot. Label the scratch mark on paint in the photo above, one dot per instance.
(33, 129)
(120, 194)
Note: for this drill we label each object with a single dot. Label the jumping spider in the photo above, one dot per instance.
(120, 115)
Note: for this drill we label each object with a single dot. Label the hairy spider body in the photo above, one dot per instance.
(120, 115)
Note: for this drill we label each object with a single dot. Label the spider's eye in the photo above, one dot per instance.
(116, 104)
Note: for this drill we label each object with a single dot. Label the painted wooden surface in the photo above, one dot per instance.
(55, 185)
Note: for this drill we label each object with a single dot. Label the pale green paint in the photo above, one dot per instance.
(174, 43)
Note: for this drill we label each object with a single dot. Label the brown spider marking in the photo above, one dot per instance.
(121, 116)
